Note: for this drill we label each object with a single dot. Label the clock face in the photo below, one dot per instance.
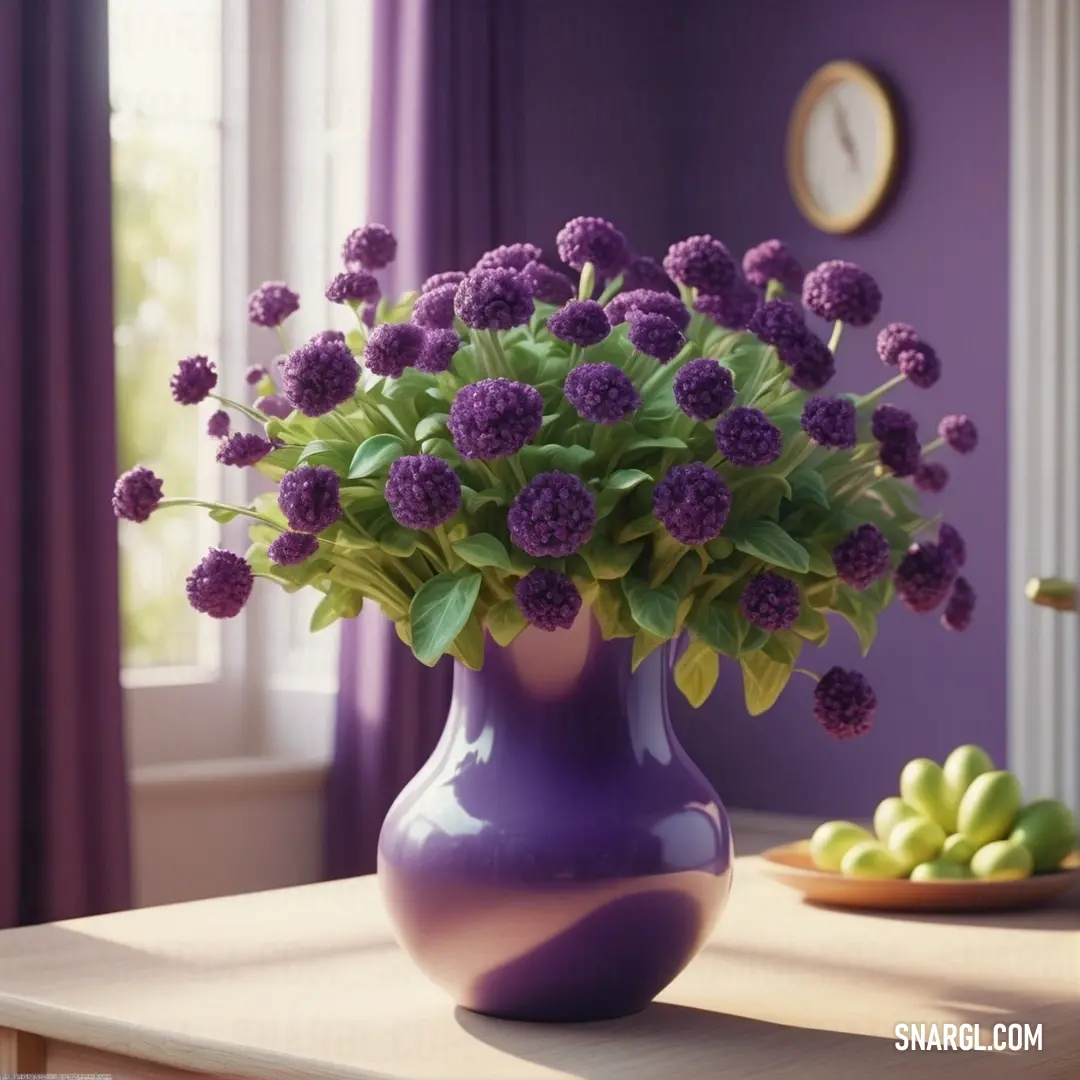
(841, 147)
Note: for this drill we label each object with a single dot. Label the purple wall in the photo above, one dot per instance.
(941, 257)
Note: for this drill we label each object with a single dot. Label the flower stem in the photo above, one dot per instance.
(808, 674)
(774, 290)
(837, 333)
(240, 511)
(876, 395)
(502, 367)
(518, 471)
(587, 282)
(930, 447)
(283, 338)
(453, 560)
(612, 289)
(250, 413)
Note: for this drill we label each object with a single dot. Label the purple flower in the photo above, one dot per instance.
(136, 494)
(319, 376)
(509, 257)
(830, 422)
(771, 602)
(811, 361)
(894, 339)
(217, 427)
(291, 548)
(593, 240)
(930, 477)
(423, 491)
(552, 516)
(310, 498)
(434, 310)
(772, 261)
(370, 248)
(243, 449)
(494, 418)
(747, 437)
(921, 366)
(438, 351)
(900, 453)
(647, 300)
(890, 421)
(844, 703)
(641, 272)
(447, 277)
(548, 600)
(924, 577)
(392, 347)
(779, 323)
(353, 287)
(493, 300)
(324, 336)
(732, 309)
(952, 545)
(701, 262)
(255, 374)
(194, 379)
(841, 291)
(960, 607)
(220, 585)
(601, 393)
(703, 389)
(273, 405)
(959, 432)
(861, 557)
(581, 322)
(655, 335)
(271, 304)
(547, 285)
(692, 502)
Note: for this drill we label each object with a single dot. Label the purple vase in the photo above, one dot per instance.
(559, 857)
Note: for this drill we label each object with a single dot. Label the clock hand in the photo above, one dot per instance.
(847, 140)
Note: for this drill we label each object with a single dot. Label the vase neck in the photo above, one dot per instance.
(577, 698)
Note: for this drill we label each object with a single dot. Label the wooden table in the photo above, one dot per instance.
(308, 984)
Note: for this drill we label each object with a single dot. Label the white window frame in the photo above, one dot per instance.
(248, 707)
(1044, 394)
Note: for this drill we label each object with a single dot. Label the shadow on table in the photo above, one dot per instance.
(684, 1043)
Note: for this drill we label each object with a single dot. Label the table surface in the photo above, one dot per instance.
(308, 982)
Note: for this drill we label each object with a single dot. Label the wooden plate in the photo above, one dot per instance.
(791, 865)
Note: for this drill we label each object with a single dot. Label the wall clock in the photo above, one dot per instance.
(842, 147)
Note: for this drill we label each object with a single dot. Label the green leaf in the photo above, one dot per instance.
(852, 607)
(468, 646)
(808, 487)
(644, 645)
(642, 526)
(223, 516)
(763, 681)
(697, 672)
(411, 384)
(653, 609)
(357, 342)
(821, 562)
(333, 452)
(431, 426)
(392, 538)
(325, 614)
(569, 459)
(439, 611)
(649, 442)
(767, 541)
(783, 647)
(359, 497)
(812, 625)
(753, 639)
(483, 549)
(474, 500)
(608, 562)
(612, 612)
(347, 602)
(441, 448)
(505, 622)
(617, 485)
(375, 454)
(716, 624)
(720, 548)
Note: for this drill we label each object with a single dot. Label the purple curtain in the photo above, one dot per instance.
(64, 839)
(444, 178)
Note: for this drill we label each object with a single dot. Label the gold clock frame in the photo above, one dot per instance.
(819, 83)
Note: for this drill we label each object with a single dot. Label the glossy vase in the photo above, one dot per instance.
(559, 857)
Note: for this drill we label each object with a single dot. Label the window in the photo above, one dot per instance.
(239, 155)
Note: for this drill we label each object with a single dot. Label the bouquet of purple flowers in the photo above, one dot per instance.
(655, 442)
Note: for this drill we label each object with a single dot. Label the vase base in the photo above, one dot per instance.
(556, 1016)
